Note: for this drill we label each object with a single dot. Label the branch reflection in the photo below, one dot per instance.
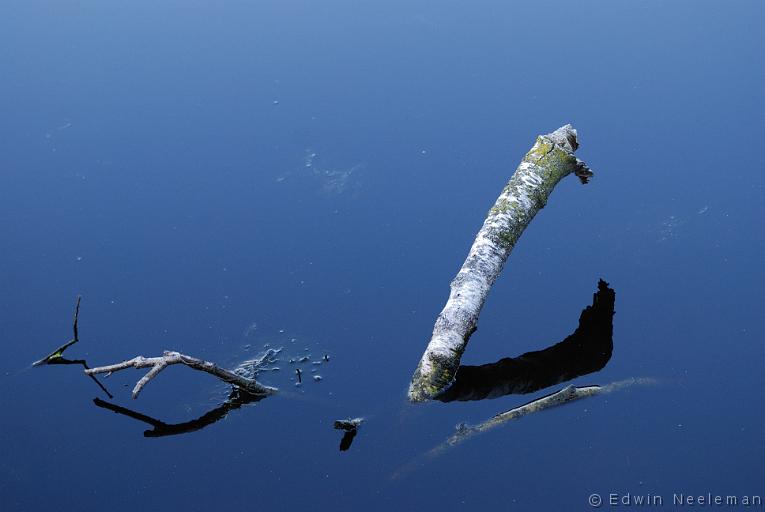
(584, 351)
(236, 399)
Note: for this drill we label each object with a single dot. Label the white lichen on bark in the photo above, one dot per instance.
(549, 160)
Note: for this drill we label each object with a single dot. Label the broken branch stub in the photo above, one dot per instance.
(549, 160)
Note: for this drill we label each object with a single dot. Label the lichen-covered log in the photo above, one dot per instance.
(549, 160)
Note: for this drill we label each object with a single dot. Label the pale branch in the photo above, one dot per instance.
(236, 399)
(549, 160)
(157, 364)
(564, 396)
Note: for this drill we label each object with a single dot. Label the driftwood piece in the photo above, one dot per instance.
(157, 364)
(564, 396)
(549, 160)
(350, 428)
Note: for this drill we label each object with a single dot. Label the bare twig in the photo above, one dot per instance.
(57, 356)
(75, 331)
(59, 352)
(561, 397)
(564, 396)
(157, 364)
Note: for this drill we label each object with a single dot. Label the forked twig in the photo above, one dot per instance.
(59, 352)
(157, 364)
(57, 356)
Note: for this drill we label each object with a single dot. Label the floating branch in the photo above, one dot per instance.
(549, 160)
(157, 364)
(57, 356)
(564, 396)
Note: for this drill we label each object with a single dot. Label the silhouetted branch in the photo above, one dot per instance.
(84, 364)
(57, 356)
(236, 399)
(60, 350)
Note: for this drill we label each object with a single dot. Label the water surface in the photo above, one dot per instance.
(214, 178)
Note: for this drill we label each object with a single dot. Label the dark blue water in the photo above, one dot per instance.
(214, 177)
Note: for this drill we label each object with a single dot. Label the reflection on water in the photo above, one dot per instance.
(236, 399)
(251, 368)
(587, 350)
(584, 351)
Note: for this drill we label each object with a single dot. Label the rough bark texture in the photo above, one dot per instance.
(549, 160)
